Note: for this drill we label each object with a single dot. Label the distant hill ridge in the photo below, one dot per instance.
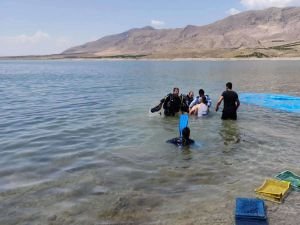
(261, 33)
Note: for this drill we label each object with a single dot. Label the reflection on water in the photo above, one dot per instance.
(230, 132)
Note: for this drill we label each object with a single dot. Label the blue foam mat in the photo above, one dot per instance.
(286, 103)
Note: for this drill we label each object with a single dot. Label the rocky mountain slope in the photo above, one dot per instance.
(273, 32)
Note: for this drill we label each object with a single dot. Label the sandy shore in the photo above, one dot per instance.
(149, 59)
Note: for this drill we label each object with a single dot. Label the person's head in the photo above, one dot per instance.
(191, 94)
(175, 91)
(186, 133)
(229, 85)
(203, 100)
(201, 92)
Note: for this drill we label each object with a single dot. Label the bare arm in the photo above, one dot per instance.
(237, 103)
(194, 110)
(219, 102)
(194, 102)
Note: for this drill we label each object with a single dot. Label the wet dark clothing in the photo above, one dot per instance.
(186, 101)
(171, 104)
(181, 141)
(156, 108)
(229, 109)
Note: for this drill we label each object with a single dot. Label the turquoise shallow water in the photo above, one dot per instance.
(79, 146)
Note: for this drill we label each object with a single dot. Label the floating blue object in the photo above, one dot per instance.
(274, 101)
(183, 123)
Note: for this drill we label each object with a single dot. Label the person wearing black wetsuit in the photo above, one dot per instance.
(231, 103)
(186, 100)
(184, 140)
(171, 103)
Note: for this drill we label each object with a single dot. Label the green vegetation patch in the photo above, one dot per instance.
(122, 57)
(285, 46)
(254, 54)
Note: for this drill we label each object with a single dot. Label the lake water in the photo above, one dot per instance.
(79, 146)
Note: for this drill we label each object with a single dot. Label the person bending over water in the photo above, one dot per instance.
(231, 103)
(184, 140)
(197, 100)
(200, 109)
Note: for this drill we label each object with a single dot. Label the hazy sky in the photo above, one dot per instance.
(51, 26)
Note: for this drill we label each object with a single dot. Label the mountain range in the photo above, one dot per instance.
(273, 32)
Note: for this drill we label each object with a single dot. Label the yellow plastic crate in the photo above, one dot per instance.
(269, 197)
(275, 188)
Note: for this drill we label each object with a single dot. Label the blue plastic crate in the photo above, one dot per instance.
(251, 222)
(250, 208)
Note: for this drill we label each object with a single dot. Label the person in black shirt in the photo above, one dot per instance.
(231, 103)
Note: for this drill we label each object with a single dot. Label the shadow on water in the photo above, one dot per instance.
(230, 134)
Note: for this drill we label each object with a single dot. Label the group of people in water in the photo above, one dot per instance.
(199, 106)
(173, 103)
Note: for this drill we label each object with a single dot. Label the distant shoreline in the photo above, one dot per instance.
(42, 58)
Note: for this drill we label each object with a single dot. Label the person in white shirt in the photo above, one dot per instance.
(198, 99)
(200, 109)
